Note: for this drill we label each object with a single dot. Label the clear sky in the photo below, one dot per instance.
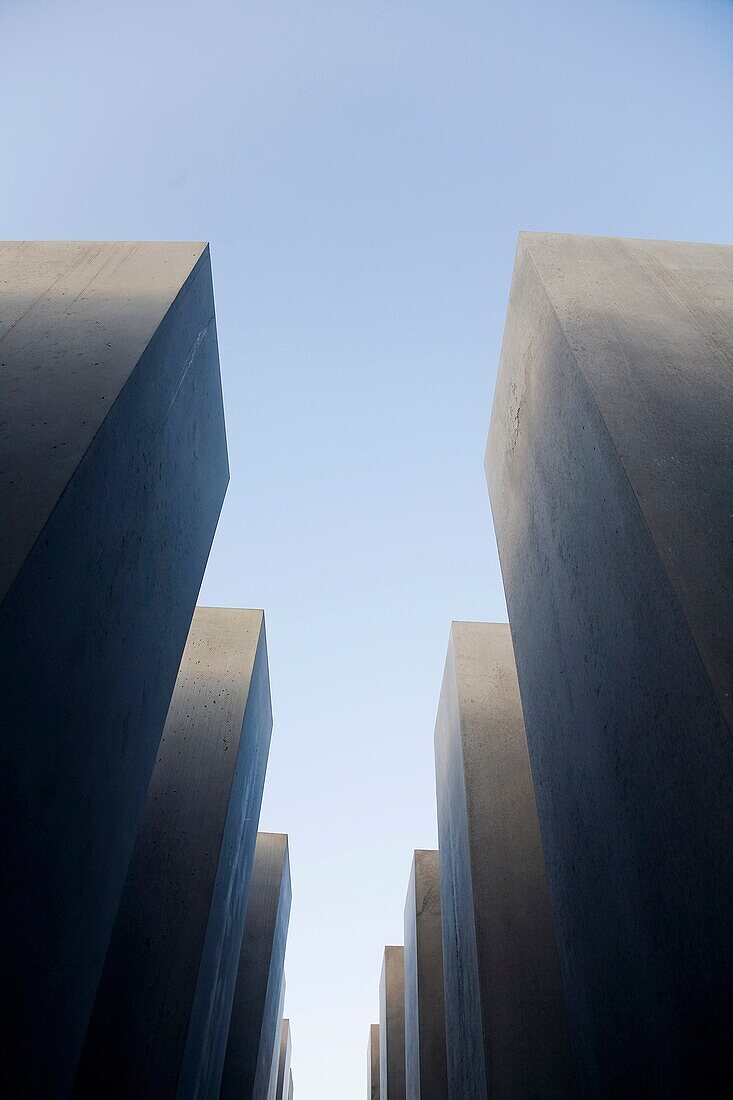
(361, 169)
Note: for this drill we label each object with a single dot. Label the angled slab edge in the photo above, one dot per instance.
(168, 982)
(254, 1028)
(608, 463)
(94, 622)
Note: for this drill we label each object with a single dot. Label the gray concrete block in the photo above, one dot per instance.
(373, 1063)
(256, 1018)
(283, 1071)
(113, 468)
(609, 466)
(425, 1056)
(506, 1030)
(161, 1016)
(392, 1025)
(290, 1085)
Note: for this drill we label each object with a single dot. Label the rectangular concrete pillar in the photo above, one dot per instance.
(290, 1084)
(425, 1057)
(392, 1025)
(373, 1063)
(161, 1016)
(283, 1072)
(609, 467)
(506, 1029)
(256, 1018)
(113, 468)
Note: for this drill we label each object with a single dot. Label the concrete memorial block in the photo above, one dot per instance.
(425, 1058)
(609, 468)
(256, 1018)
(113, 468)
(161, 1016)
(283, 1071)
(392, 1025)
(506, 1029)
(373, 1063)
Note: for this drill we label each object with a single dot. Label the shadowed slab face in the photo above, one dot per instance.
(609, 468)
(113, 468)
(161, 1016)
(506, 1029)
(283, 1072)
(392, 1025)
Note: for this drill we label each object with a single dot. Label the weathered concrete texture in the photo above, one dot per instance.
(161, 1016)
(113, 468)
(283, 1072)
(392, 1025)
(254, 1028)
(425, 1058)
(373, 1063)
(609, 466)
(506, 1030)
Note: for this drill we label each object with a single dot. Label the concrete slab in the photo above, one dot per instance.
(256, 1018)
(290, 1085)
(283, 1072)
(113, 468)
(425, 1055)
(608, 463)
(373, 1063)
(161, 1016)
(506, 1030)
(392, 1025)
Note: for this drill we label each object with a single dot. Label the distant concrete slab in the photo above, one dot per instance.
(506, 1030)
(283, 1072)
(392, 1025)
(609, 466)
(373, 1063)
(113, 468)
(426, 1076)
(256, 1018)
(161, 1016)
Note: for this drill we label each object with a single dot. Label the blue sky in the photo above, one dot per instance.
(361, 170)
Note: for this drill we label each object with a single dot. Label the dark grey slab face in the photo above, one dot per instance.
(506, 1029)
(113, 468)
(283, 1072)
(392, 1025)
(161, 1016)
(254, 1028)
(373, 1063)
(426, 1076)
(609, 467)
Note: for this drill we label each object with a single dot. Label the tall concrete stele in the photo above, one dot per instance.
(426, 1076)
(392, 1025)
(253, 1046)
(373, 1092)
(610, 470)
(506, 1028)
(161, 1016)
(113, 468)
